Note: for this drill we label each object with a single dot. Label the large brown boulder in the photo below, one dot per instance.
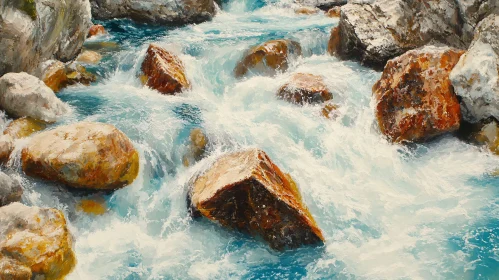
(164, 71)
(305, 88)
(268, 58)
(36, 240)
(246, 191)
(82, 155)
(414, 97)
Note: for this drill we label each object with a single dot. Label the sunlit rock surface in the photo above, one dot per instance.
(96, 30)
(23, 95)
(57, 75)
(32, 31)
(376, 31)
(303, 88)
(268, 58)
(10, 190)
(24, 127)
(246, 191)
(155, 11)
(476, 76)
(36, 238)
(89, 57)
(489, 135)
(82, 155)
(164, 71)
(414, 97)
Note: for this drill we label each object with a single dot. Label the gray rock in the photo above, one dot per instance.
(155, 11)
(322, 4)
(10, 189)
(32, 32)
(23, 95)
(476, 76)
(473, 11)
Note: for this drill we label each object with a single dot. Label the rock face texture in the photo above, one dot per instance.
(34, 242)
(473, 11)
(155, 11)
(164, 71)
(10, 190)
(247, 192)
(24, 127)
(57, 75)
(414, 97)
(23, 95)
(96, 30)
(268, 58)
(32, 31)
(82, 155)
(89, 57)
(476, 76)
(376, 31)
(305, 89)
(489, 135)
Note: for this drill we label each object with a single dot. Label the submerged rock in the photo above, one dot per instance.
(78, 74)
(37, 239)
(414, 97)
(246, 191)
(24, 127)
(330, 110)
(32, 31)
(306, 11)
(305, 88)
(376, 31)
(322, 4)
(89, 57)
(82, 155)
(489, 135)
(10, 190)
(198, 145)
(268, 58)
(164, 71)
(476, 76)
(158, 11)
(96, 30)
(23, 95)
(58, 75)
(334, 12)
(6, 147)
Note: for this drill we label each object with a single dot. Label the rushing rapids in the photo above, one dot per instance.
(386, 211)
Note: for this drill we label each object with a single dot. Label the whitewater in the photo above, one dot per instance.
(387, 211)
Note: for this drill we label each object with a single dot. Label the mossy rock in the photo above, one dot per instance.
(29, 7)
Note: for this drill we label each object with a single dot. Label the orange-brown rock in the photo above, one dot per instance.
(246, 191)
(34, 240)
(6, 147)
(305, 88)
(414, 97)
(164, 71)
(333, 46)
(24, 127)
(197, 146)
(96, 30)
(82, 155)
(268, 58)
(54, 75)
(57, 75)
(306, 11)
(96, 206)
(330, 110)
(89, 57)
(334, 12)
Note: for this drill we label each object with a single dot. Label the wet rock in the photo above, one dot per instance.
(10, 190)
(24, 127)
(89, 57)
(330, 110)
(476, 76)
(23, 95)
(82, 155)
(96, 30)
(489, 135)
(333, 46)
(102, 46)
(159, 11)
(198, 144)
(95, 206)
(334, 12)
(306, 11)
(305, 88)
(268, 58)
(322, 4)
(78, 74)
(6, 147)
(164, 71)
(376, 31)
(54, 75)
(35, 238)
(414, 97)
(33, 31)
(246, 191)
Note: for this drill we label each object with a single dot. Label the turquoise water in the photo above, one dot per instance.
(387, 211)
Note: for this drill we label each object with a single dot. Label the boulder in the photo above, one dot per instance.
(89, 57)
(77, 74)
(322, 4)
(473, 11)
(268, 58)
(333, 46)
(82, 155)
(24, 127)
(330, 110)
(10, 190)
(11, 269)
(489, 136)
(306, 11)
(334, 12)
(53, 74)
(6, 147)
(164, 71)
(198, 144)
(32, 31)
(246, 191)
(35, 238)
(376, 31)
(155, 11)
(96, 30)
(23, 95)
(305, 88)
(476, 76)
(414, 97)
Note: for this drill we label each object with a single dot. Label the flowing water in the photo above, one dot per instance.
(387, 211)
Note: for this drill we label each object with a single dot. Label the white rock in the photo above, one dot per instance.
(476, 76)
(10, 189)
(23, 95)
